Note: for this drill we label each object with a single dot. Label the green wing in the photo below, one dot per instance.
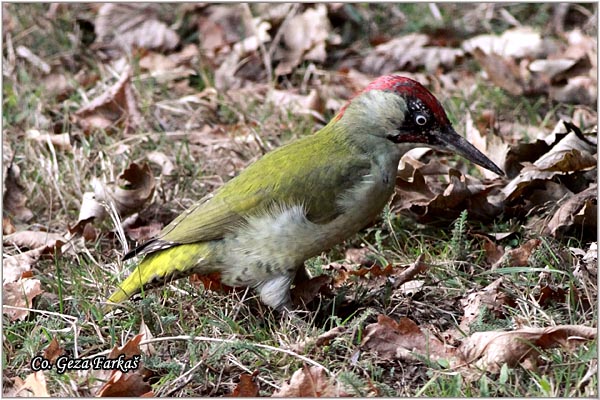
(313, 171)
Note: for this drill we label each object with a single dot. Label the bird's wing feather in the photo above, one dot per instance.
(306, 172)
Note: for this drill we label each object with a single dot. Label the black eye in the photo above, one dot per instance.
(420, 119)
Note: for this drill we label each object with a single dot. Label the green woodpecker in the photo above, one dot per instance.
(301, 199)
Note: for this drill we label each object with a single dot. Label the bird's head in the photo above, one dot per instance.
(403, 111)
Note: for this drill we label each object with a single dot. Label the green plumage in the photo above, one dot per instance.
(301, 199)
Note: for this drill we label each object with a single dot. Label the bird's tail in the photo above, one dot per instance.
(163, 266)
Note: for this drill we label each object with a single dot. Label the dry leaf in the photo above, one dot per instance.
(513, 43)
(131, 384)
(35, 239)
(408, 53)
(19, 294)
(247, 387)
(163, 161)
(133, 25)
(33, 59)
(490, 350)
(61, 141)
(305, 37)
(491, 299)
(138, 189)
(124, 384)
(36, 383)
(14, 197)
(305, 291)
(117, 105)
(8, 227)
(53, 351)
(142, 233)
(402, 340)
(501, 71)
(322, 340)
(310, 381)
(579, 211)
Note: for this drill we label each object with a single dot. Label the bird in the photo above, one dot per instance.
(301, 199)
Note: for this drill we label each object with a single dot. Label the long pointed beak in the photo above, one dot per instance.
(452, 141)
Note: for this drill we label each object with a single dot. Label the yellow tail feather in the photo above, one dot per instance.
(163, 266)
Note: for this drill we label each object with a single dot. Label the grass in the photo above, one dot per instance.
(75, 283)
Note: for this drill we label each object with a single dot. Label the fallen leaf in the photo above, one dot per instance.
(519, 257)
(310, 381)
(409, 52)
(493, 251)
(127, 26)
(142, 233)
(61, 141)
(491, 299)
(305, 37)
(490, 350)
(402, 340)
(53, 351)
(578, 211)
(513, 43)
(138, 189)
(247, 386)
(19, 294)
(14, 197)
(124, 384)
(117, 105)
(503, 72)
(35, 239)
(163, 161)
(35, 383)
(305, 291)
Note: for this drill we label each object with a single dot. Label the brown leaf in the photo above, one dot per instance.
(492, 299)
(19, 294)
(211, 281)
(322, 340)
(519, 257)
(129, 384)
(117, 105)
(501, 71)
(409, 52)
(305, 38)
(124, 384)
(35, 383)
(8, 228)
(14, 197)
(133, 25)
(305, 291)
(572, 153)
(402, 340)
(61, 141)
(247, 387)
(163, 161)
(489, 144)
(142, 233)
(490, 350)
(310, 381)
(513, 43)
(36, 239)
(359, 256)
(579, 211)
(53, 351)
(138, 189)
(493, 251)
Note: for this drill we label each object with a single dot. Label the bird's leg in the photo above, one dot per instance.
(302, 275)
